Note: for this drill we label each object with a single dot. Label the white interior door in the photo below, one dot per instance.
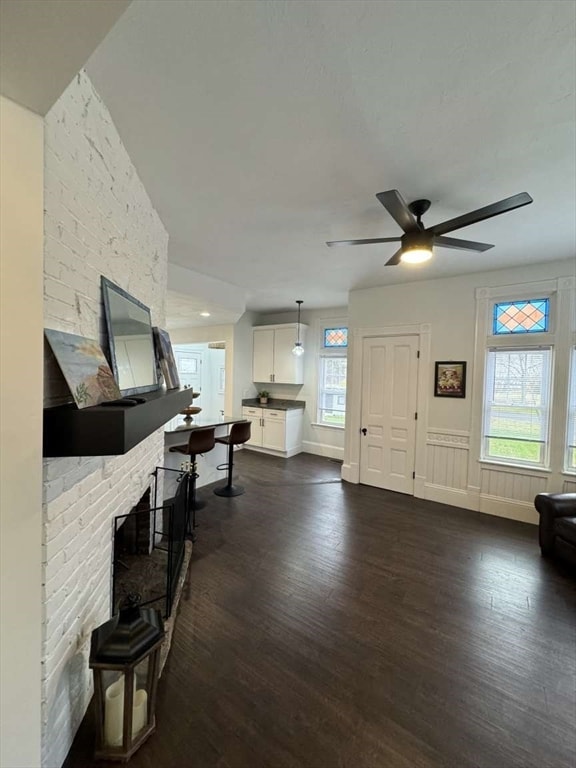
(389, 392)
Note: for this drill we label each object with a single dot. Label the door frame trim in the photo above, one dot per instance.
(351, 465)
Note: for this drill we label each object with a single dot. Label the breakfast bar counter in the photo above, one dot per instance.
(177, 432)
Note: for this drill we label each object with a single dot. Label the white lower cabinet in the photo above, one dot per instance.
(275, 432)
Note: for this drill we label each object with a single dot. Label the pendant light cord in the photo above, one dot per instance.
(299, 302)
(298, 348)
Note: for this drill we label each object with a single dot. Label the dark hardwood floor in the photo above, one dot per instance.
(326, 625)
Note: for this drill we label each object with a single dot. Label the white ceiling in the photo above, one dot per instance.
(183, 311)
(263, 129)
(43, 44)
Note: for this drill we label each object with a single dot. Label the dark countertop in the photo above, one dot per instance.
(276, 405)
(178, 424)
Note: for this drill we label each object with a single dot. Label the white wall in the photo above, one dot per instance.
(21, 181)
(317, 439)
(99, 221)
(448, 307)
(243, 386)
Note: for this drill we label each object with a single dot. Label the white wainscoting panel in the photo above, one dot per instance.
(447, 467)
(515, 484)
(504, 491)
(569, 486)
(447, 460)
(510, 491)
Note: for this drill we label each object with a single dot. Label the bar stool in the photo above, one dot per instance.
(201, 440)
(239, 433)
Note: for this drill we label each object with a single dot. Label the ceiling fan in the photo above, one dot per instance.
(417, 241)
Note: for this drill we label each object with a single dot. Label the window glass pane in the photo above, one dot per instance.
(527, 316)
(335, 337)
(571, 432)
(517, 404)
(332, 391)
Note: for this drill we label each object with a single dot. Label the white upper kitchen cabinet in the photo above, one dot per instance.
(273, 361)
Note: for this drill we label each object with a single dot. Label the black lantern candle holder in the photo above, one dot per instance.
(125, 659)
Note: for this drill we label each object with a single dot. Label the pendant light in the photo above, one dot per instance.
(298, 349)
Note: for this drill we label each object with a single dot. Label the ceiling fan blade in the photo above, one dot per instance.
(369, 241)
(396, 206)
(462, 245)
(395, 259)
(502, 206)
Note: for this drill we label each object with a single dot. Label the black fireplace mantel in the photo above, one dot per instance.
(109, 431)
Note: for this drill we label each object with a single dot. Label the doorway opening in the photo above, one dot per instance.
(202, 367)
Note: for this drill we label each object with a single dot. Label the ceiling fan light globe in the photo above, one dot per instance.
(416, 255)
(298, 349)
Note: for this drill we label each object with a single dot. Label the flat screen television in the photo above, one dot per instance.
(130, 340)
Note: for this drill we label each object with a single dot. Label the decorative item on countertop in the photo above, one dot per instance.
(165, 357)
(84, 367)
(125, 659)
(191, 410)
(263, 396)
(298, 349)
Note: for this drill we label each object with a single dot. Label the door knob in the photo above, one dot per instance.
(364, 430)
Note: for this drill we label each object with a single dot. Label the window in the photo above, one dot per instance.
(526, 316)
(335, 337)
(332, 390)
(571, 431)
(517, 405)
(332, 364)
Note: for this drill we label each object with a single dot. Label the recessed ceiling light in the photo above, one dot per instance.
(204, 314)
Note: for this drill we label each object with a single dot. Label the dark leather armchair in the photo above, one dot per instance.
(557, 529)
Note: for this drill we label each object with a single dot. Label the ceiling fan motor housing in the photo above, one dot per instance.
(420, 240)
(419, 208)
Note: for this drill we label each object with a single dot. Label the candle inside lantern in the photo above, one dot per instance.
(139, 711)
(114, 713)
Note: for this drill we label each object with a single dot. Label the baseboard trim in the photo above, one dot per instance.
(271, 452)
(523, 511)
(455, 497)
(350, 473)
(322, 449)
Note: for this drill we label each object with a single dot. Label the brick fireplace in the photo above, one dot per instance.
(98, 221)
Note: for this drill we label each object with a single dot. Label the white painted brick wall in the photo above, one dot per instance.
(98, 221)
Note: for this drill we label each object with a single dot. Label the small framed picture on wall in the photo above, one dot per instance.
(450, 379)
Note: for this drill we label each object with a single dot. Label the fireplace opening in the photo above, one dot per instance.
(149, 546)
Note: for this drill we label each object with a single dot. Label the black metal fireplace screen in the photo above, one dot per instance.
(149, 544)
